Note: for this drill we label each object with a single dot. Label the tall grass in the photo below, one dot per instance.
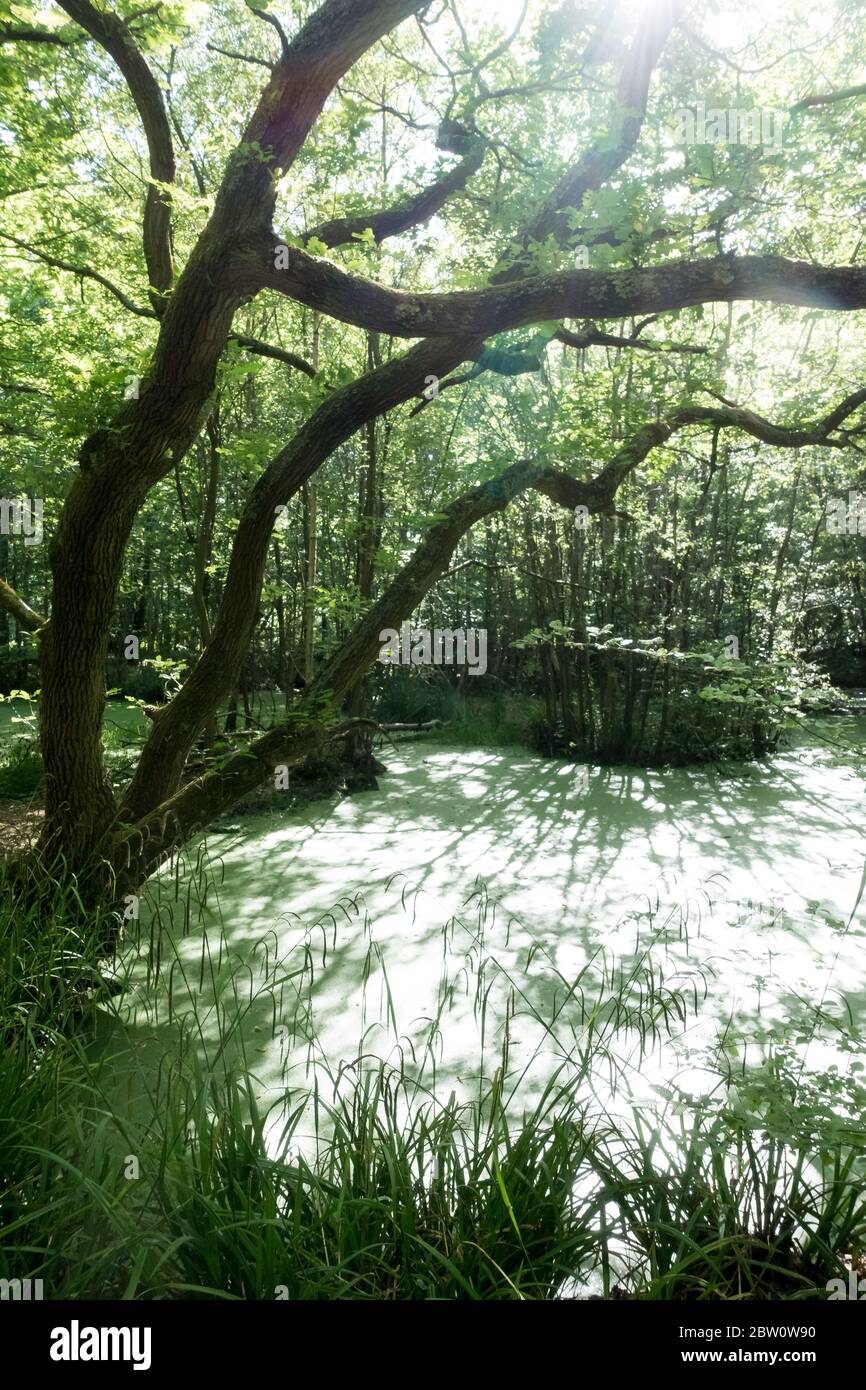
(168, 1176)
(705, 1207)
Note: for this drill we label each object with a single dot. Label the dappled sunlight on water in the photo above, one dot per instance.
(481, 901)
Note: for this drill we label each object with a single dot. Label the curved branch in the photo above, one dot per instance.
(588, 294)
(412, 212)
(12, 33)
(728, 416)
(112, 34)
(192, 807)
(261, 349)
(608, 154)
(322, 51)
(593, 337)
(501, 363)
(255, 345)
(827, 98)
(240, 57)
(215, 673)
(433, 556)
(518, 363)
(84, 272)
(275, 24)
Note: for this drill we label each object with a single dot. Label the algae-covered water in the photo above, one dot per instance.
(485, 900)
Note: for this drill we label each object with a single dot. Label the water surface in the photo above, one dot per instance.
(490, 880)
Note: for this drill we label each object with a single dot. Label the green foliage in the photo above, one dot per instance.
(756, 1193)
(20, 768)
(713, 1207)
(612, 699)
(368, 1186)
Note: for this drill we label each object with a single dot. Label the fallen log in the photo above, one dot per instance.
(413, 728)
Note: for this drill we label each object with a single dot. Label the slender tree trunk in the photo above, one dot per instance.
(781, 559)
(359, 744)
(310, 510)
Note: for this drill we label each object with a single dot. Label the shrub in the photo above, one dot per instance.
(615, 700)
(21, 768)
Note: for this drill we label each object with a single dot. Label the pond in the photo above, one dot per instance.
(482, 900)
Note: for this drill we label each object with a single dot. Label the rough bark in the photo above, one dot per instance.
(119, 465)
(113, 35)
(588, 294)
(216, 672)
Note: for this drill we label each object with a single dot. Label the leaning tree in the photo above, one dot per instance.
(195, 309)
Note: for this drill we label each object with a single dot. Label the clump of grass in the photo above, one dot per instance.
(399, 1202)
(369, 1184)
(52, 946)
(702, 1206)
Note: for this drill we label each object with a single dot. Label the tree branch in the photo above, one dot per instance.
(255, 345)
(606, 155)
(112, 34)
(291, 359)
(518, 363)
(275, 24)
(827, 98)
(241, 57)
(193, 806)
(215, 673)
(23, 614)
(412, 212)
(589, 294)
(82, 270)
(12, 33)
(322, 51)
(593, 337)
(729, 416)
